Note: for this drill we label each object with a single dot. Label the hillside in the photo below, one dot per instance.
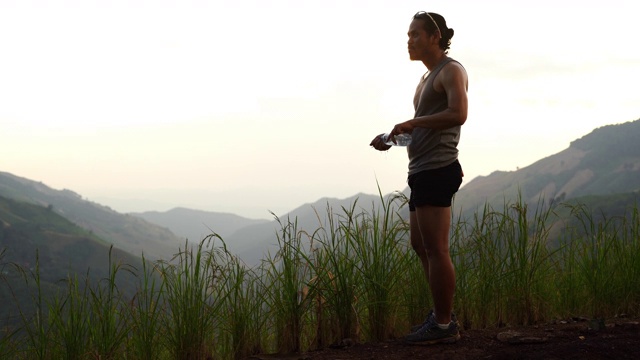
(129, 233)
(196, 224)
(604, 162)
(253, 242)
(30, 233)
(252, 239)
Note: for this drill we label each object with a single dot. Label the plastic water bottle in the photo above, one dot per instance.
(401, 139)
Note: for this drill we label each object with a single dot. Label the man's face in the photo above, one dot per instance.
(419, 42)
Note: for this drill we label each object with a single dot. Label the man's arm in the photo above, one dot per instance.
(453, 81)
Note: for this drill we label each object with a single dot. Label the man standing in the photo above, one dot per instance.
(435, 174)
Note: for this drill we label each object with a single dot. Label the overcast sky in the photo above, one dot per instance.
(255, 106)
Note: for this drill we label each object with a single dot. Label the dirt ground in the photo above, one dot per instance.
(573, 339)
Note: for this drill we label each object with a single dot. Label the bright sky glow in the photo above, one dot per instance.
(251, 106)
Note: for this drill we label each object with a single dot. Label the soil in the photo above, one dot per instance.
(575, 339)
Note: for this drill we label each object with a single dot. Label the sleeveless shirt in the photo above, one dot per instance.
(430, 148)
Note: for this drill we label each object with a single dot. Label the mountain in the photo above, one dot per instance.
(194, 225)
(252, 243)
(63, 249)
(61, 245)
(125, 232)
(601, 169)
(604, 162)
(595, 169)
(251, 239)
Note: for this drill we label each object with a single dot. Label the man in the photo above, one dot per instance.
(435, 174)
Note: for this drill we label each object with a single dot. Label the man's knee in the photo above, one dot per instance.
(418, 247)
(437, 253)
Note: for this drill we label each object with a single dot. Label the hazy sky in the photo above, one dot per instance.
(250, 106)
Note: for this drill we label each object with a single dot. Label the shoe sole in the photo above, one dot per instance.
(415, 328)
(447, 340)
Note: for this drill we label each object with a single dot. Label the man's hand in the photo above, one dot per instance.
(402, 128)
(379, 144)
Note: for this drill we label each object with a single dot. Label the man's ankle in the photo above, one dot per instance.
(442, 321)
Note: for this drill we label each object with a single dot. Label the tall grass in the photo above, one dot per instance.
(35, 327)
(601, 263)
(627, 250)
(108, 330)
(193, 298)
(7, 333)
(145, 311)
(380, 257)
(477, 258)
(71, 322)
(334, 290)
(529, 263)
(288, 273)
(244, 320)
(6, 349)
(353, 278)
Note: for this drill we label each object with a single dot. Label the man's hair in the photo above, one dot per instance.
(435, 22)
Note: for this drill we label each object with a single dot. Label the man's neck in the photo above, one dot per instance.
(432, 61)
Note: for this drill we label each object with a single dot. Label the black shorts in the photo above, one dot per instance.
(434, 187)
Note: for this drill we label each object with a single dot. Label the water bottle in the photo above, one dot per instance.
(401, 139)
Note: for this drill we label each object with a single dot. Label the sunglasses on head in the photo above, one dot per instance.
(422, 14)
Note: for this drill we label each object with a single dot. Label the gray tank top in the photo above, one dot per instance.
(429, 148)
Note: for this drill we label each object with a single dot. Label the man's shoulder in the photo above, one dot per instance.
(454, 63)
(451, 74)
(454, 67)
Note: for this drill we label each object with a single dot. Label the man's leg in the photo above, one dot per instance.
(434, 225)
(417, 244)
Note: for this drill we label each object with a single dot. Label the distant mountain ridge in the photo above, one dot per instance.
(594, 165)
(37, 239)
(196, 224)
(62, 245)
(251, 239)
(129, 233)
(251, 243)
(604, 162)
